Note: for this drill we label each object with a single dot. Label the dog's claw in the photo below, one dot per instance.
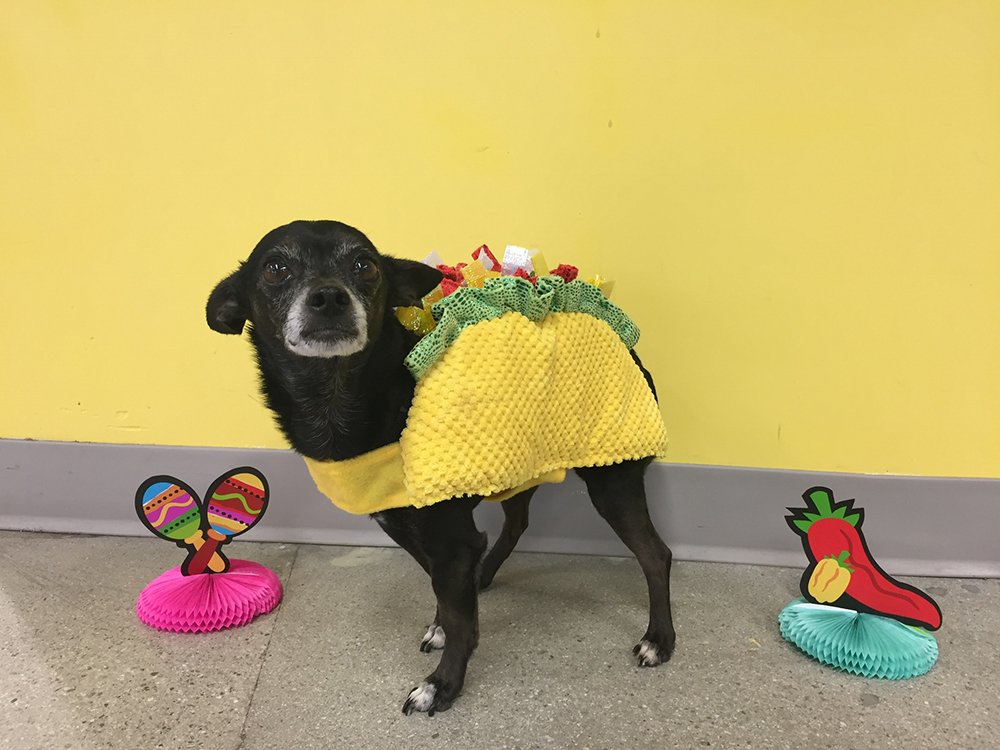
(433, 639)
(425, 697)
(652, 654)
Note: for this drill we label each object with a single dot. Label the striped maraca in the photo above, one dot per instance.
(171, 510)
(236, 501)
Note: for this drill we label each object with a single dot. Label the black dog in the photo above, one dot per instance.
(319, 298)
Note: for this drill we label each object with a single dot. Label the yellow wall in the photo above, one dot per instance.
(798, 200)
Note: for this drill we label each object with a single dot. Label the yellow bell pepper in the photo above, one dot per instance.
(830, 578)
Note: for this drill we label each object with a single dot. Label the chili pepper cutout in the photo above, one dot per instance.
(842, 571)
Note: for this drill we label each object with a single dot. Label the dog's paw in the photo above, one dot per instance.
(433, 638)
(652, 654)
(428, 698)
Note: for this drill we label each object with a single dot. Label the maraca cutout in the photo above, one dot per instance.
(236, 502)
(172, 510)
(169, 508)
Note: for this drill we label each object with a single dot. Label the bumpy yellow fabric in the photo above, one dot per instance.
(511, 404)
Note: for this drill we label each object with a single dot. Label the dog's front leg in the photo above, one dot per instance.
(453, 546)
(399, 524)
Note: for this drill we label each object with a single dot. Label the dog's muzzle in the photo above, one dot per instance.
(326, 321)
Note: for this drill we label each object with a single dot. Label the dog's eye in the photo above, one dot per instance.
(276, 271)
(366, 269)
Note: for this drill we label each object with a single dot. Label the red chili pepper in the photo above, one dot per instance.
(829, 528)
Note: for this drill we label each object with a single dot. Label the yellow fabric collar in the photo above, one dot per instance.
(374, 481)
(366, 484)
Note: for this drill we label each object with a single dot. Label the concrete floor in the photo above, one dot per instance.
(332, 665)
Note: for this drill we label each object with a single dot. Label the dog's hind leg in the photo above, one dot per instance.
(399, 527)
(515, 521)
(454, 546)
(619, 494)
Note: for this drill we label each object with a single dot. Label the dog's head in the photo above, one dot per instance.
(317, 288)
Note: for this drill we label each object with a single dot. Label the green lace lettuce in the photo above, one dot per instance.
(470, 305)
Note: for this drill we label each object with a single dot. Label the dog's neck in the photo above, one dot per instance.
(339, 408)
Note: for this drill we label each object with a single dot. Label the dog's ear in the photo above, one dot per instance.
(409, 281)
(226, 310)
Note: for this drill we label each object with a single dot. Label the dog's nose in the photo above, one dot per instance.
(329, 300)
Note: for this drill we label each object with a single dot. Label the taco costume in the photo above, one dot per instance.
(517, 383)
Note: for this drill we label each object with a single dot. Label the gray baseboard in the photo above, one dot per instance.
(916, 525)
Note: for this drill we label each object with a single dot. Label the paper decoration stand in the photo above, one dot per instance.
(852, 615)
(207, 591)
